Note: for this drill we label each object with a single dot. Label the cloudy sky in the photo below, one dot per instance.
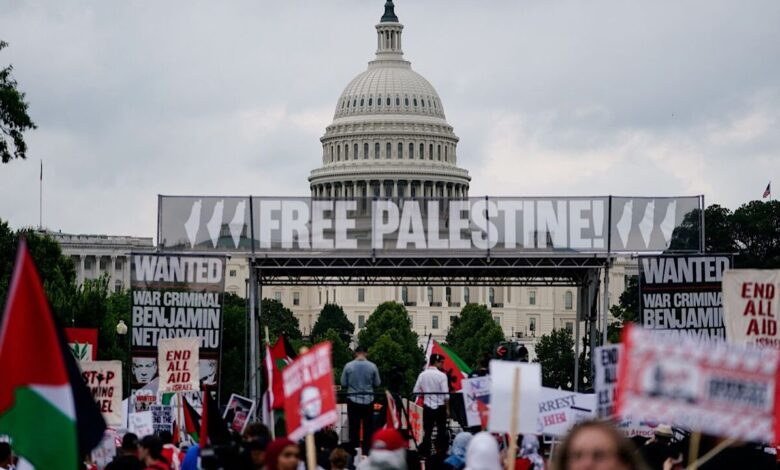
(554, 97)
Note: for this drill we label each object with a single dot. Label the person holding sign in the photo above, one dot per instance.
(432, 383)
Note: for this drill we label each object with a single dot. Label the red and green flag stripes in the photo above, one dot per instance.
(45, 406)
(191, 421)
(282, 353)
(454, 366)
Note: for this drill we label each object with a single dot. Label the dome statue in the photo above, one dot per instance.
(389, 136)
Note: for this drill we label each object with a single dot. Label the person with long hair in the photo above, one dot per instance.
(596, 445)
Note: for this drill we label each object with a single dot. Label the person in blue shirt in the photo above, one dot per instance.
(359, 378)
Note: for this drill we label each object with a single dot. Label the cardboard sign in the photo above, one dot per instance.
(476, 391)
(681, 294)
(162, 418)
(309, 395)
(710, 386)
(141, 423)
(238, 412)
(750, 303)
(178, 359)
(606, 374)
(560, 410)
(83, 342)
(502, 375)
(104, 380)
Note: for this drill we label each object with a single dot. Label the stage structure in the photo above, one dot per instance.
(526, 241)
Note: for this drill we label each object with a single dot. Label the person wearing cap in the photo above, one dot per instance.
(388, 451)
(359, 378)
(432, 384)
(658, 449)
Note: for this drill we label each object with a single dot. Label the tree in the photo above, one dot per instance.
(392, 345)
(473, 333)
(279, 320)
(234, 342)
(555, 353)
(332, 316)
(341, 352)
(756, 228)
(626, 311)
(14, 120)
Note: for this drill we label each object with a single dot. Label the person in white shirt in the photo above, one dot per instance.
(432, 383)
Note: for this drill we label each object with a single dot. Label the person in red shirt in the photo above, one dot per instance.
(150, 453)
(171, 453)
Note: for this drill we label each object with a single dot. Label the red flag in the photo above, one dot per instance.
(455, 368)
(391, 419)
(282, 354)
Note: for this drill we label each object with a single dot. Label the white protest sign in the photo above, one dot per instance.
(105, 452)
(476, 397)
(502, 374)
(750, 306)
(606, 360)
(104, 380)
(178, 360)
(559, 410)
(718, 388)
(162, 418)
(141, 423)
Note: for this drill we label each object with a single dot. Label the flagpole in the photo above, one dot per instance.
(40, 199)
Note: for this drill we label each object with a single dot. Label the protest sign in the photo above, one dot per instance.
(105, 452)
(502, 375)
(309, 395)
(175, 296)
(416, 421)
(83, 342)
(714, 387)
(559, 410)
(141, 423)
(750, 303)
(476, 392)
(178, 359)
(606, 364)
(104, 380)
(143, 399)
(162, 418)
(238, 412)
(682, 294)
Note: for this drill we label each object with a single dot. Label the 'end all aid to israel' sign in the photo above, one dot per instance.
(178, 359)
(710, 386)
(750, 302)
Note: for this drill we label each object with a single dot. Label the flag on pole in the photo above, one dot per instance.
(266, 406)
(455, 368)
(213, 429)
(768, 190)
(191, 420)
(392, 420)
(45, 406)
(282, 354)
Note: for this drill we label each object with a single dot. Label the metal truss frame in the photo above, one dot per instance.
(531, 270)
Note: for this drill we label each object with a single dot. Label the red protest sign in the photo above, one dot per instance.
(714, 387)
(309, 394)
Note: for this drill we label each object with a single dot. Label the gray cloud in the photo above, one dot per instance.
(133, 99)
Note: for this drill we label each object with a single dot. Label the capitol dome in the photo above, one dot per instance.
(389, 136)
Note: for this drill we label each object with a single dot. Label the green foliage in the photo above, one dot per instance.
(474, 333)
(14, 120)
(332, 316)
(626, 311)
(392, 344)
(279, 320)
(341, 352)
(234, 344)
(555, 353)
(756, 230)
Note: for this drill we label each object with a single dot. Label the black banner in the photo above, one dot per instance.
(682, 294)
(175, 296)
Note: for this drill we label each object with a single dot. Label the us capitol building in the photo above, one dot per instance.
(389, 138)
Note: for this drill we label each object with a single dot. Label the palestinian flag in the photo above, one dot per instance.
(45, 406)
(282, 353)
(191, 421)
(455, 368)
(213, 430)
